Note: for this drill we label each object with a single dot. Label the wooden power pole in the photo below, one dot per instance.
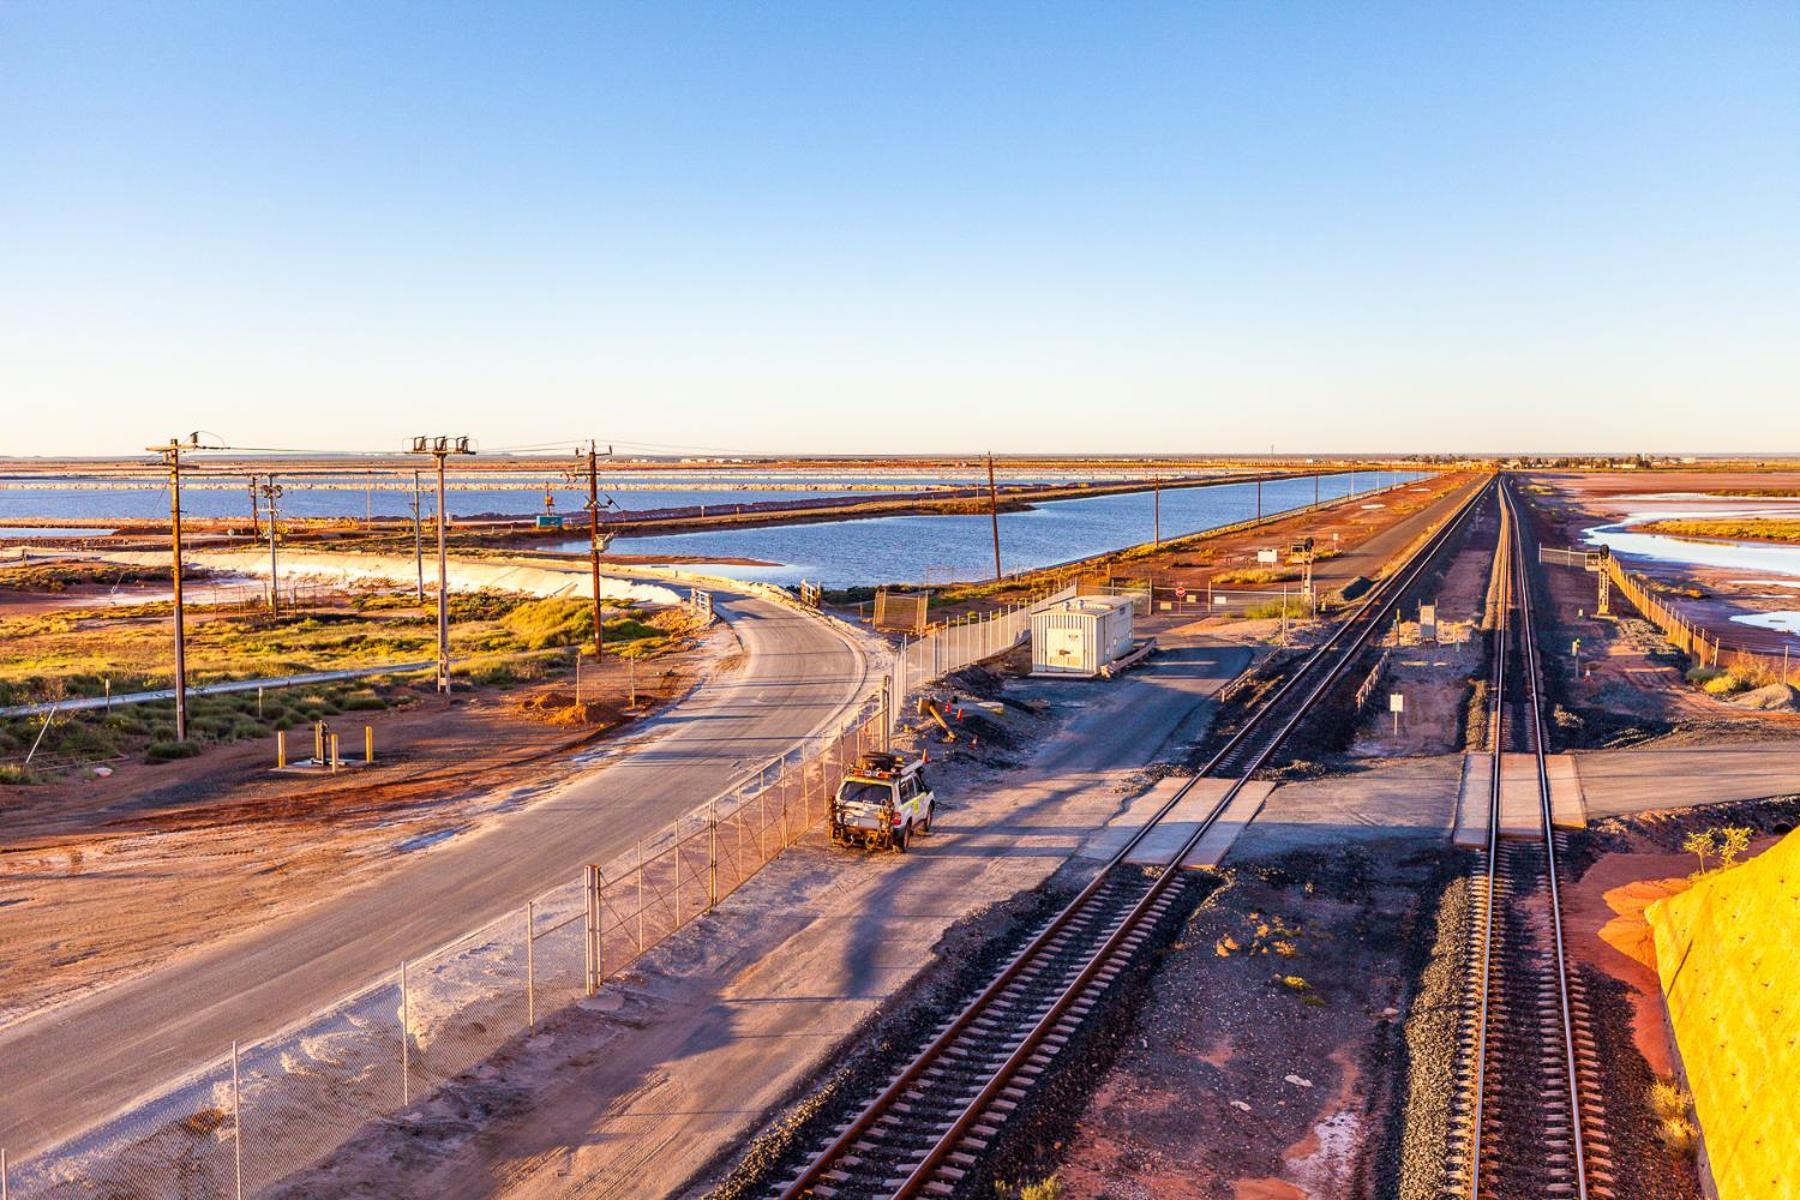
(1156, 520)
(593, 507)
(994, 514)
(171, 453)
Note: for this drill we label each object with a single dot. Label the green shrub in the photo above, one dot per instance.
(1668, 1100)
(1254, 575)
(497, 675)
(562, 621)
(1294, 608)
(170, 750)
(630, 629)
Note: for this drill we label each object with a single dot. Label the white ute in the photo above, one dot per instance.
(882, 804)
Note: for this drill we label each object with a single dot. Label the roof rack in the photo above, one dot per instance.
(880, 762)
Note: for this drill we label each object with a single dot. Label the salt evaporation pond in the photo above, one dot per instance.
(875, 550)
(1736, 556)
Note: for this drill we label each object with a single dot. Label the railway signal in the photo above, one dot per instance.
(271, 493)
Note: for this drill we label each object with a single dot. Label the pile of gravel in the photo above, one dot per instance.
(1775, 697)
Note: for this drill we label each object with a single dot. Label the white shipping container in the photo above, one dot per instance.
(1080, 635)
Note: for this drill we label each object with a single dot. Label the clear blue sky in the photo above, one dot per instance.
(838, 227)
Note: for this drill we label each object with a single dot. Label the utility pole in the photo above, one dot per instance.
(271, 492)
(172, 456)
(593, 507)
(418, 537)
(1156, 520)
(255, 528)
(994, 513)
(1259, 499)
(1315, 490)
(441, 448)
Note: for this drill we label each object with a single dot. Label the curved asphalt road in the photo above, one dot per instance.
(76, 1064)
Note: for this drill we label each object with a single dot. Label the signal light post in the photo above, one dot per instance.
(271, 494)
(441, 448)
(418, 539)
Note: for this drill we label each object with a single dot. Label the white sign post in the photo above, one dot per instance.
(1396, 705)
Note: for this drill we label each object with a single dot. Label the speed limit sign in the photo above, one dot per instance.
(1180, 592)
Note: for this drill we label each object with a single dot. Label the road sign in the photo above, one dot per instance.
(1428, 622)
(1180, 592)
(1268, 556)
(1396, 702)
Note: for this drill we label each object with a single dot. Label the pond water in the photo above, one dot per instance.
(151, 503)
(940, 549)
(97, 497)
(1737, 556)
(1782, 622)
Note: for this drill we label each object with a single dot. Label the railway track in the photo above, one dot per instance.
(928, 1129)
(1528, 1122)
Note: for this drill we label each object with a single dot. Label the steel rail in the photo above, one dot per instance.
(1496, 734)
(1351, 635)
(1528, 635)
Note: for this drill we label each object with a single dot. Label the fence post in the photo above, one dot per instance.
(737, 819)
(589, 892)
(712, 854)
(675, 846)
(640, 933)
(237, 1133)
(762, 824)
(405, 1041)
(530, 967)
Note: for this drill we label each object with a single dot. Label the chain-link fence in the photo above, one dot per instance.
(953, 645)
(241, 1124)
(1706, 649)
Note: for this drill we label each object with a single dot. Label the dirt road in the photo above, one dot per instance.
(61, 1071)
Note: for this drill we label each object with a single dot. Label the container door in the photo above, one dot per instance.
(1067, 650)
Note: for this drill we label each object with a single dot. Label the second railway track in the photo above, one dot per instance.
(932, 1125)
(1528, 1122)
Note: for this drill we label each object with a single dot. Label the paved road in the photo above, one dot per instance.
(797, 958)
(76, 1064)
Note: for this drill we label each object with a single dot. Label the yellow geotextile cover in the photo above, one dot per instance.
(1728, 951)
